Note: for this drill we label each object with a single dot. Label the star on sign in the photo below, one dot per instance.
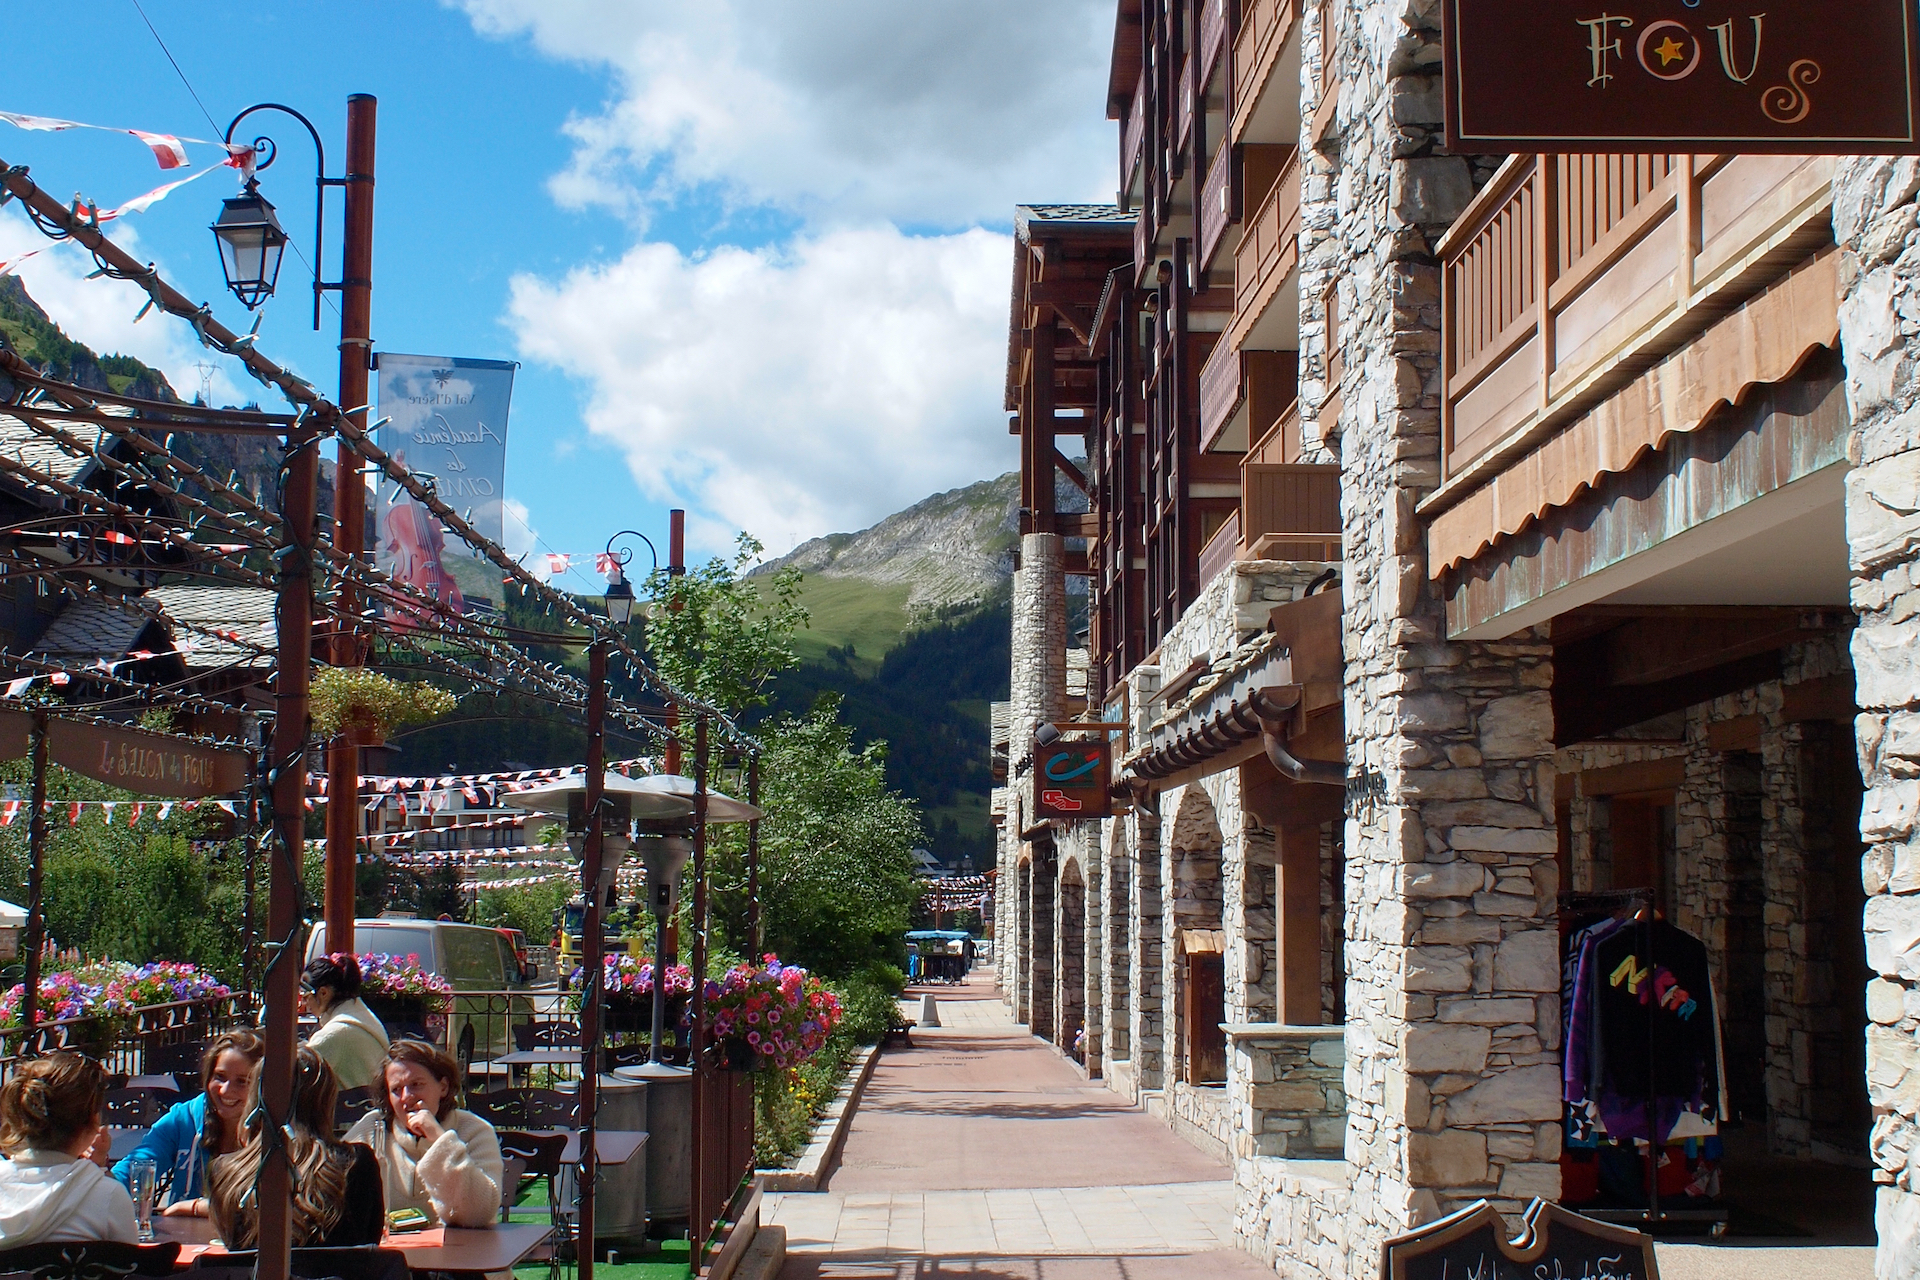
(1670, 51)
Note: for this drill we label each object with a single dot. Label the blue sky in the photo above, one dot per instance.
(751, 255)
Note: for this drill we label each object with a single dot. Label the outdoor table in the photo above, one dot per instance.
(461, 1250)
(561, 1057)
(166, 1082)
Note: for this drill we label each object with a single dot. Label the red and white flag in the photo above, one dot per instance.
(12, 811)
(166, 148)
(558, 564)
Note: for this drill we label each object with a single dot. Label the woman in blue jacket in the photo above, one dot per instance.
(194, 1132)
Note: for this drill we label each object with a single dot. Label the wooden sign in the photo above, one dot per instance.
(1070, 780)
(1474, 1244)
(16, 734)
(153, 764)
(1797, 76)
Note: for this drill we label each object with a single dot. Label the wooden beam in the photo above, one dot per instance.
(1065, 293)
(1650, 650)
(1078, 319)
(1626, 779)
(1085, 524)
(1074, 475)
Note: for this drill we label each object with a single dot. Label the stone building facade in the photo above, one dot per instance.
(1620, 602)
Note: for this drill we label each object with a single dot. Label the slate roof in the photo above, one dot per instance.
(93, 629)
(23, 444)
(247, 611)
(1108, 215)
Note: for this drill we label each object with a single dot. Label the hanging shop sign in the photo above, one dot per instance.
(1552, 1242)
(445, 418)
(16, 734)
(1071, 778)
(153, 764)
(1796, 76)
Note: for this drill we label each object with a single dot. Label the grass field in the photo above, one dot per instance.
(870, 616)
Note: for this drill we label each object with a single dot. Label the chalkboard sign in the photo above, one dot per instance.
(1553, 1244)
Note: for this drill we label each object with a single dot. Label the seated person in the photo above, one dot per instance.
(192, 1133)
(435, 1157)
(350, 1036)
(52, 1131)
(336, 1188)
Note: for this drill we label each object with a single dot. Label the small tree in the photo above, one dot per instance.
(720, 635)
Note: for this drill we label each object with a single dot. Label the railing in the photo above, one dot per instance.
(1570, 274)
(723, 1128)
(1143, 227)
(1221, 550)
(1219, 203)
(1265, 28)
(1134, 135)
(1183, 113)
(130, 1044)
(1269, 245)
(1213, 37)
(1222, 388)
(1289, 510)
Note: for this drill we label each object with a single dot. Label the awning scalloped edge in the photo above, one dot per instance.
(1761, 343)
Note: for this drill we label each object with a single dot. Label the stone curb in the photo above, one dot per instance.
(815, 1165)
(765, 1256)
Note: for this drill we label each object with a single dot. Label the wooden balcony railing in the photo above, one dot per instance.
(1222, 387)
(1290, 511)
(1269, 248)
(1221, 550)
(1265, 28)
(1219, 204)
(1569, 275)
(1213, 37)
(1143, 229)
(1183, 114)
(1133, 136)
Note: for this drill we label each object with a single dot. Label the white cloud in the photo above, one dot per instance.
(788, 392)
(100, 313)
(932, 112)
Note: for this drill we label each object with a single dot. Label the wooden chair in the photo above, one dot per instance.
(181, 1061)
(546, 1035)
(90, 1259)
(137, 1108)
(526, 1108)
(538, 1155)
(350, 1106)
(353, 1263)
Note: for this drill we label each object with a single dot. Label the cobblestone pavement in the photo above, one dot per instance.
(979, 1152)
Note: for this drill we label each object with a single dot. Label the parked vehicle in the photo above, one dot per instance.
(473, 959)
(518, 941)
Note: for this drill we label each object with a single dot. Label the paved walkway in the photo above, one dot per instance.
(979, 1152)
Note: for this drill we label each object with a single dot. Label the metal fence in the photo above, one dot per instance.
(158, 1039)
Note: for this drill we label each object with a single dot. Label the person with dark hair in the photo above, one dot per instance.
(337, 1198)
(192, 1133)
(437, 1158)
(50, 1186)
(350, 1036)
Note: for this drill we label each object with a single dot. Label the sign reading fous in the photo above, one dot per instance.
(1807, 76)
(152, 764)
(1554, 1244)
(1071, 778)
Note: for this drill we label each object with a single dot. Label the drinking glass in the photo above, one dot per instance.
(143, 1177)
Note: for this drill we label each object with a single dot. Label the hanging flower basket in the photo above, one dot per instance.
(364, 707)
(407, 999)
(769, 1015)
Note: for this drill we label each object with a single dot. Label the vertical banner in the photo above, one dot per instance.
(447, 419)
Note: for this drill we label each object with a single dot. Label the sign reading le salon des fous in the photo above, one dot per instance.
(1806, 76)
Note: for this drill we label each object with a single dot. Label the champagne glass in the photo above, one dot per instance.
(143, 1177)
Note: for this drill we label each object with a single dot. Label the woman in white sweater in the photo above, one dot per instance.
(349, 1038)
(435, 1157)
(52, 1132)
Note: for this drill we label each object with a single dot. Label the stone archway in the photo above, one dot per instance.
(1195, 978)
(1070, 989)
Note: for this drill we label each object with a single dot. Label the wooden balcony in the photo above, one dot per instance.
(1288, 510)
(1242, 395)
(1219, 210)
(1221, 550)
(1569, 276)
(1269, 33)
(1268, 254)
(1183, 114)
(1213, 36)
(1133, 137)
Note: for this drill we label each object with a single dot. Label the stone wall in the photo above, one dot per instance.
(1452, 952)
(1293, 1103)
(1037, 692)
(1300, 1216)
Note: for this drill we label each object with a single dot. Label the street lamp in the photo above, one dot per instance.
(251, 242)
(619, 590)
(249, 235)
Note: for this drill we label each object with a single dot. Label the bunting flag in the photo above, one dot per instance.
(605, 563)
(168, 149)
(106, 808)
(558, 563)
(11, 811)
(8, 266)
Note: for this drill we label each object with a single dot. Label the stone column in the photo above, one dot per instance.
(1253, 968)
(1116, 1014)
(1453, 950)
(1785, 873)
(1020, 945)
(1093, 980)
(1043, 876)
(1145, 974)
(1875, 216)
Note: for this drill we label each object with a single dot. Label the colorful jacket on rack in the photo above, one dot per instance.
(1656, 1022)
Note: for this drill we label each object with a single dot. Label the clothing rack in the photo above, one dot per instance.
(1608, 901)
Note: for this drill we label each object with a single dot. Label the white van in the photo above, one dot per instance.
(472, 958)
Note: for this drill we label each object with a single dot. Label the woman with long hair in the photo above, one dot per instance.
(350, 1036)
(192, 1133)
(437, 1158)
(50, 1186)
(336, 1188)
